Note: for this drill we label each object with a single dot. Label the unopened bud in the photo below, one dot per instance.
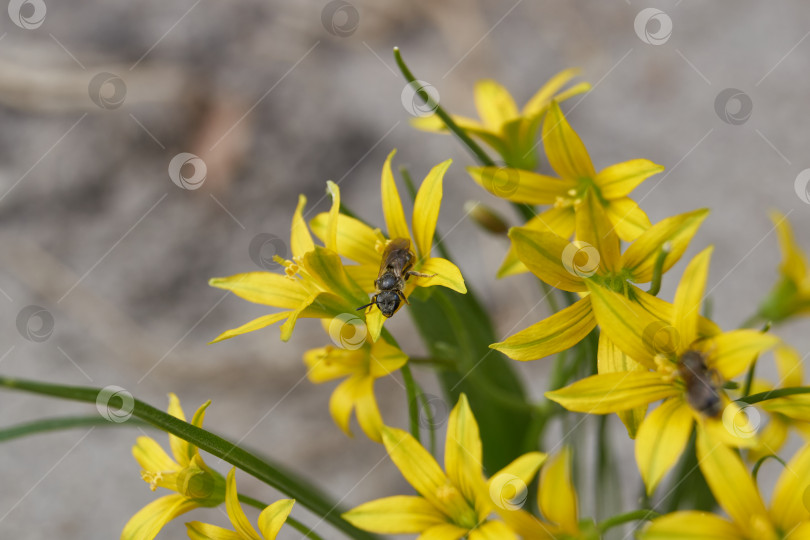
(486, 217)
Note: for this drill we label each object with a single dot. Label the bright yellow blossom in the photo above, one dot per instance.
(314, 284)
(270, 520)
(577, 179)
(509, 131)
(361, 366)
(791, 294)
(357, 241)
(788, 517)
(688, 372)
(453, 504)
(196, 485)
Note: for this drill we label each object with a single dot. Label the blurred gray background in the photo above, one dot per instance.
(96, 98)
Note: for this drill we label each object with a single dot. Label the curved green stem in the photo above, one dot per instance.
(291, 521)
(773, 394)
(658, 270)
(621, 519)
(46, 425)
(269, 473)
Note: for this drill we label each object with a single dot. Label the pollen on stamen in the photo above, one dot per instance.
(152, 478)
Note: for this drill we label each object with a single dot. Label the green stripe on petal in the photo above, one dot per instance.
(691, 526)
(553, 334)
(255, 324)
(521, 186)
(595, 230)
(401, 514)
(613, 392)
(266, 288)
(564, 149)
(545, 255)
(463, 451)
(326, 268)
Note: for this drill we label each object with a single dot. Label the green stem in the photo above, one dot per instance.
(46, 425)
(621, 519)
(430, 420)
(749, 378)
(773, 394)
(476, 150)
(271, 474)
(658, 270)
(291, 521)
(413, 401)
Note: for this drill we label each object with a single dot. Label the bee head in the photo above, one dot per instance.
(388, 302)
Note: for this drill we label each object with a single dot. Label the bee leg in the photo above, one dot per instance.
(403, 297)
(418, 274)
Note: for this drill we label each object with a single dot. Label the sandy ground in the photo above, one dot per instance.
(275, 103)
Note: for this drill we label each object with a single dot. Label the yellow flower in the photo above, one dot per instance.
(507, 130)
(791, 294)
(558, 503)
(787, 519)
(688, 373)
(196, 485)
(452, 504)
(270, 520)
(361, 366)
(784, 412)
(314, 284)
(577, 178)
(357, 241)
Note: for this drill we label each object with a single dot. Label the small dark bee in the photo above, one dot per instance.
(702, 384)
(395, 269)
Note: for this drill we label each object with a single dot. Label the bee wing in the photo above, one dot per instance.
(395, 255)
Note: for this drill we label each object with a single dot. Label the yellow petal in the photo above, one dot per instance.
(770, 439)
(385, 359)
(327, 363)
(151, 456)
(342, 402)
(524, 467)
(255, 324)
(801, 532)
(796, 407)
(494, 104)
(263, 288)
(689, 296)
(558, 499)
(790, 495)
(204, 531)
(433, 123)
(789, 366)
(391, 203)
(332, 224)
(564, 149)
(400, 514)
(374, 323)
(462, 451)
(730, 482)
(521, 186)
(661, 439)
(147, 523)
(628, 218)
(691, 526)
(237, 516)
(664, 311)
(300, 239)
(559, 221)
(355, 239)
(611, 359)
(620, 179)
(426, 209)
(544, 255)
(273, 517)
(325, 266)
(553, 334)
(731, 353)
(639, 258)
(613, 392)
(626, 323)
(794, 263)
(596, 231)
(368, 414)
(492, 530)
(184, 451)
(364, 275)
(507, 488)
(540, 100)
(444, 531)
(417, 466)
(447, 275)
